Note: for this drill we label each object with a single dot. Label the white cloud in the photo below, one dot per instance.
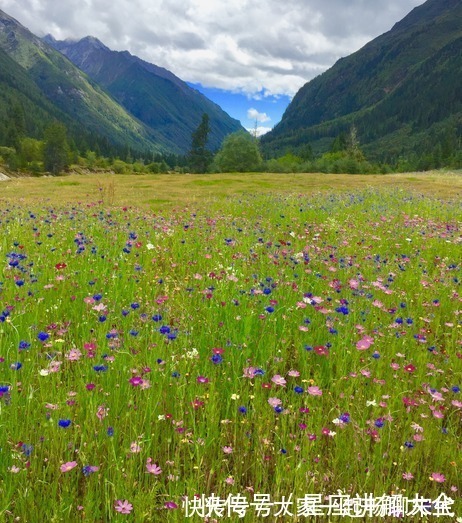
(247, 46)
(253, 114)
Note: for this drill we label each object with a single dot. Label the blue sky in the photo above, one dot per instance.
(246, 55)
(261, 109)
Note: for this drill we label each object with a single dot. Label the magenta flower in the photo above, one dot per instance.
(124, 507)
(408, 476)
(170, 505)
(202, 379)
(438, 477)
(153, 468)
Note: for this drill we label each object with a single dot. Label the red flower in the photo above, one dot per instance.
(321, 350)
(60, 266)
(409, 368)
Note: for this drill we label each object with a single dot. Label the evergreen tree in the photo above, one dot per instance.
(56, 148)
(199, 156)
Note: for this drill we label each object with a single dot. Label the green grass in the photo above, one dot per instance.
(286, 282)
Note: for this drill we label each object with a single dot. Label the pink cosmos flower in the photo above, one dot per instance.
(74, 355)
(274, 402)
(314, 391)
(124, 507)
(153, 468)
(364, 343)
(279, 380)
(438, 477)
(66, 467)
(227, 450)
(408, 476)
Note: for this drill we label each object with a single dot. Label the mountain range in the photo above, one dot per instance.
(108, 98)
(402, 91)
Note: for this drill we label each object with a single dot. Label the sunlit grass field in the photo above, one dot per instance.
(166, 337)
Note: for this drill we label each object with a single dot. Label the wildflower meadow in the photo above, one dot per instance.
(263, 351)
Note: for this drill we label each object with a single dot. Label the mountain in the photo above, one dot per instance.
(401, 91)
(64, 92)
(154, 95)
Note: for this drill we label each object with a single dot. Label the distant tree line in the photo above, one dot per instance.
(57, 152)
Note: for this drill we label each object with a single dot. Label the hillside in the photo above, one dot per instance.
(73, 96)
(401, 91)
(154, 95)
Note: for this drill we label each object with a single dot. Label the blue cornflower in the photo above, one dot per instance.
(64, 423)
(27, 449)
(176, 374)
(164, 329)
(409, 321)
(88, 469)
(110, 431)
(156, 317)
(278, 409)
(455, 389)
(133, 332)
(258, 372)
(345, 417)
(399, 321)
(102, 319)
(24, 345)
(308, 347)
(100, 368)
(43, 336)
(342, 310)
(379, 423)
(376, 355)
(267, 291)
(242, 409)
(16, 366)
(19, 283)
(217, 358)
(135, 305)
(97, 297)
(298, 390)
(409, 444)
(269, 309)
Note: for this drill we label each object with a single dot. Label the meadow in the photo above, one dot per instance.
(173, 348)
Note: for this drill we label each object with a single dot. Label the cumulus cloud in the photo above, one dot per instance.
(248, 46)
(253, 114)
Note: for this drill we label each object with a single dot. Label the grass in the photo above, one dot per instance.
(141, 190)
(289, 340)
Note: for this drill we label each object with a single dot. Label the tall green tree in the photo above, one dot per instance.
(56, 148)
(199, 157)
(239, 153)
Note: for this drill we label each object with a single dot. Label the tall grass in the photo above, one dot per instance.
(263, 344)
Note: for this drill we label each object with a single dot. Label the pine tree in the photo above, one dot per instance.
(56, 149)
(199, 156)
